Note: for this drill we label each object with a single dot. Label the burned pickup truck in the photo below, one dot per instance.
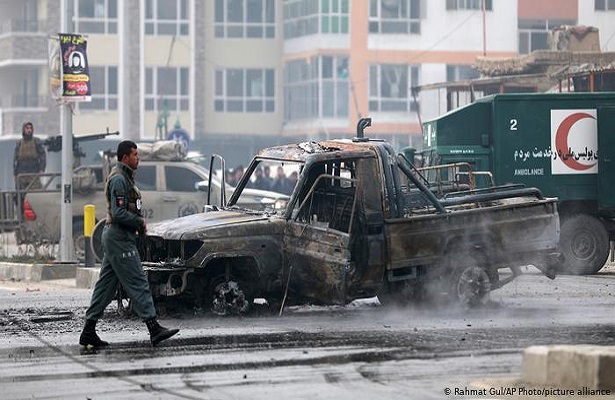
(360, 222)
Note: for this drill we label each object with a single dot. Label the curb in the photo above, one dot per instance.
(85, 278)
(37, 272)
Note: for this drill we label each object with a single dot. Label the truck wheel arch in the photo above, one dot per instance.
(474, 248)
(466, 258)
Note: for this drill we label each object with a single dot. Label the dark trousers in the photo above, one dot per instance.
(121, 264)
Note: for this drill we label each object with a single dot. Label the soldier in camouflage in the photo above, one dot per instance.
(121, 261)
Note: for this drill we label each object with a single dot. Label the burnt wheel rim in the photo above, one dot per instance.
(228, 298)
(472, 285)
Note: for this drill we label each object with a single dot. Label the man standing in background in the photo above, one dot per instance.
(29, 157)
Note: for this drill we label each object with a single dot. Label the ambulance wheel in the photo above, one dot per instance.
(584, 243)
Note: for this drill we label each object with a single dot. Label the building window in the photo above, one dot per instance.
(166, 88)
(460, 72)
(389, 87)
(309, 17)
(395, 16)
(334, 84)
(94, 16)
(301, 89)
(318, 88)
(533, 33)
(334, 16)
(468, 5)
(27, 91)
(604, 5)
(245, 90)
(166, 17)
(103, 84)
(245, 19)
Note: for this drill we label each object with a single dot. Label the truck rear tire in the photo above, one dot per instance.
(584, 243)
(470, 285)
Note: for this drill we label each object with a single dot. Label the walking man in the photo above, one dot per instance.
(121, 262)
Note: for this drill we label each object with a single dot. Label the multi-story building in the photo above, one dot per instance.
(242, 74)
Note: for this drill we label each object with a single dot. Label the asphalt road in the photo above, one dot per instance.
(361, 351)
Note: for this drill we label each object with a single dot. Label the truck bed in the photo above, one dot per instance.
(515, 229)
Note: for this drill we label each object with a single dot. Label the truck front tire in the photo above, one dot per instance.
(584, 243)
(226, 296)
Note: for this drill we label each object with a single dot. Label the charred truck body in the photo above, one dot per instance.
(360, 222)
(560, 143)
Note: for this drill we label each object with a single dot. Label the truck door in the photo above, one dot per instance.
(606, 158)
(320, 244)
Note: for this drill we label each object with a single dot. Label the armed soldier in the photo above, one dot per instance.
(121, 262)
(29, 157)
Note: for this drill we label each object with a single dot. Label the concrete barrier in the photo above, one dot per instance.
(570, 366)
(36, 272)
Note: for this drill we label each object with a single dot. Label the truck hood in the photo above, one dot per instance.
(204, 225)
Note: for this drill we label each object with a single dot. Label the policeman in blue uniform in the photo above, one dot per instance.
(121, 262)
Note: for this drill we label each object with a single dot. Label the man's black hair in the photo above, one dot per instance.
(124, 148)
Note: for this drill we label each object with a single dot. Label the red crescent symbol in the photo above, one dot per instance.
(561, 140)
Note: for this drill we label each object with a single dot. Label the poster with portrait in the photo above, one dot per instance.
(75, 70)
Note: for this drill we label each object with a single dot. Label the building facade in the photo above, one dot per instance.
(239, 75)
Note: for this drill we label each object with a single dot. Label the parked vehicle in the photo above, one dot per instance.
(171, 187)
(360, 222)
(560, 143)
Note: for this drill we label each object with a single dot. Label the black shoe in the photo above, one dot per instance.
(89, 337)
(158, 333)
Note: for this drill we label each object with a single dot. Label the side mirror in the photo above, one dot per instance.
(209, 207)
(201, 186)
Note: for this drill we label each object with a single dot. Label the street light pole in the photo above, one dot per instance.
(67, 251)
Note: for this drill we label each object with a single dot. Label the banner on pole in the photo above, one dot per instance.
(55, 69)
(73, 67)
